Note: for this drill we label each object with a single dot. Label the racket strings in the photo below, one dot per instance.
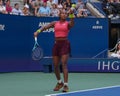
(37, 53)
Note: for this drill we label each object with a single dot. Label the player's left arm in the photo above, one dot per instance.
(71, 23)
(71, 16)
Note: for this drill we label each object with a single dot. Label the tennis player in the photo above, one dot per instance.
(61, 48)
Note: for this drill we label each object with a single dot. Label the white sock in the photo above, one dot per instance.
(60, 81)
(65, 84)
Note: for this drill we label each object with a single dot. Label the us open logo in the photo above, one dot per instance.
(97, 25)
(2, 27)
(42, 24)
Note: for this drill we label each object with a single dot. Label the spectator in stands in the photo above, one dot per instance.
(49, 3)
(16, 10)
(25, 10)
(74, 1)
(45, 0)
(104, 6)
(111, 8)
(2, 8)
(115, 9)
(8, 7)
(32, 7)
(25, 2)
(80, 4)
(37, 5)
(82, 13)
(4, 2)
(68, 3)
(116, 54)
(60, 4)
(62, 1)
(107, 8)
(54, 10)
(65, 7)
(44, 10)
(31, 1)
(56, 1)
(118, 49)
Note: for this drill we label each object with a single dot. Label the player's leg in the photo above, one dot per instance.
(65, 51)
(59, 85)
(56, 60)
(64, 60)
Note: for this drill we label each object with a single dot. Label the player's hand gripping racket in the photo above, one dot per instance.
(37, 52)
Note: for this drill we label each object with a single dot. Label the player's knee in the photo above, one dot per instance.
(56, 66)
(64, 66)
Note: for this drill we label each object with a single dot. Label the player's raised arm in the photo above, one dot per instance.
(51, 25)
(71, 16)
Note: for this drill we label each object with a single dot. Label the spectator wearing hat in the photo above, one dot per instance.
(25, 10)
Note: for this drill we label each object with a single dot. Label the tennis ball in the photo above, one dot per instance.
(71, 15)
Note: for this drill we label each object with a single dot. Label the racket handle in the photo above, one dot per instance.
(35, 39)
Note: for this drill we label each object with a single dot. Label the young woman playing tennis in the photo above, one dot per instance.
(61, 48)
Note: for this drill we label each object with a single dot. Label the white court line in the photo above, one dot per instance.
(85, 90)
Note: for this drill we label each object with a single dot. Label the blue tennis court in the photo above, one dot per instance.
(104, 91)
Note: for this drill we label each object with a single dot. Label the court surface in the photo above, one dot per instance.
(42, 84)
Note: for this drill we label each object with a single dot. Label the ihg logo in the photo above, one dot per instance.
(109, 65)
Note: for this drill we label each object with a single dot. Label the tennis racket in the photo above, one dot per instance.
(37, 51)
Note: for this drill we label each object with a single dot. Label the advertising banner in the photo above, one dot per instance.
(88, 39)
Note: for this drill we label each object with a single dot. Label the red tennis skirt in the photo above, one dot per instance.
(61, 47)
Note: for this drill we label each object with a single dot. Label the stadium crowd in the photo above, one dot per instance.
(111, 8)
(44, 8)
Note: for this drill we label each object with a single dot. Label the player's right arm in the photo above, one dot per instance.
(51, 25)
